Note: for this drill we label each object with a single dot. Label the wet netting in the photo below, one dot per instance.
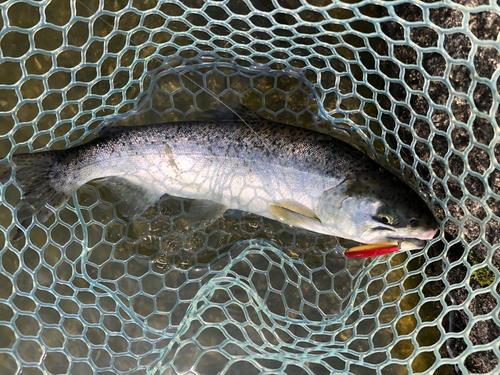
(414, 84)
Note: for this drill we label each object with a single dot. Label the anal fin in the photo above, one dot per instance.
(202, 212)
(134, 198)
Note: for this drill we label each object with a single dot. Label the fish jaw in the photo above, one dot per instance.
(417, 238)
(393, 245)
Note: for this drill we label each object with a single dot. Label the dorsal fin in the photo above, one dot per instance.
(234, 112)
(110, 130)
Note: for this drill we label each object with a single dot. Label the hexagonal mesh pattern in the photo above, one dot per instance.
(414, 84)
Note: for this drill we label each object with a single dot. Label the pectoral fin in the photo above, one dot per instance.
(295, 214)
(202, 213)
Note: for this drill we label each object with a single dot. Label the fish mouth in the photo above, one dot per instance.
(418, 241)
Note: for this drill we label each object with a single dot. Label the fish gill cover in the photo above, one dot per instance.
(414, 84)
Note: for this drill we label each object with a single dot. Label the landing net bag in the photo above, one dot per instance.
(413, 84)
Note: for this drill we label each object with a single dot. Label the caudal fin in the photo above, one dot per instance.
(34, 173)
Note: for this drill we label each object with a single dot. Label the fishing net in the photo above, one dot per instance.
(413, 84)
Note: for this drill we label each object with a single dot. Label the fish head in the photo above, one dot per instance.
(374, 207)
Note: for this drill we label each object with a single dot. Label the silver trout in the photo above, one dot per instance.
(234, 159)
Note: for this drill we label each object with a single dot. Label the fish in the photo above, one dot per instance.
(232, 158)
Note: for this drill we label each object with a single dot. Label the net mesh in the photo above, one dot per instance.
(414, 84)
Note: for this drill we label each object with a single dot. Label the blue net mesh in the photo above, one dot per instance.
(413, 84)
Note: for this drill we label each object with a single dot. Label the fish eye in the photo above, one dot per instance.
(383, 219)
(414, 222)
(387, 216)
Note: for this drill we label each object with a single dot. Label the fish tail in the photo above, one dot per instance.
(41, 185)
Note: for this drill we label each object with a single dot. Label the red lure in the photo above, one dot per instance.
(367, 251)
